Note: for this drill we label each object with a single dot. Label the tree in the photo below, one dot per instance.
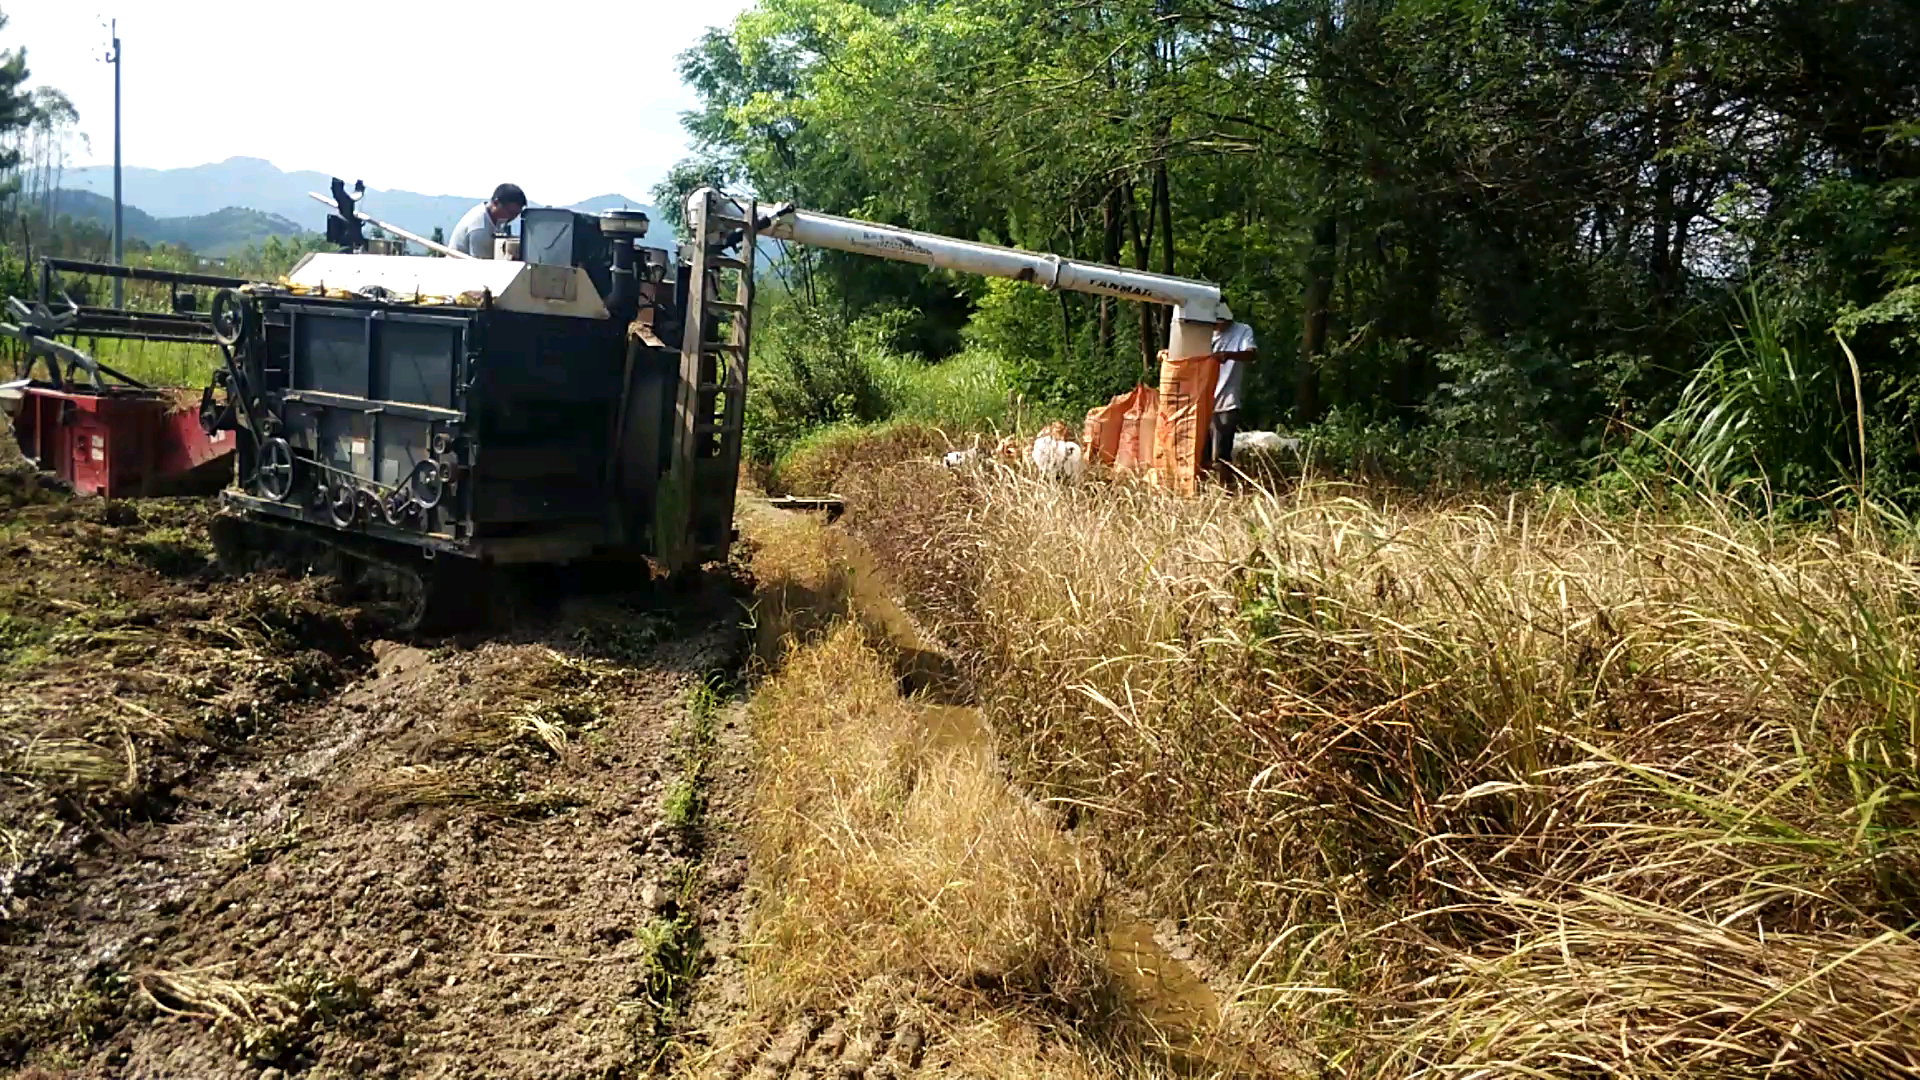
(17, 115)
(1511, 220)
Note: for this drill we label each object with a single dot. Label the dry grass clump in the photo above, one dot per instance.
(110, 682)
(266, 1022)
(501, 716)
(878, 850)
(1516, 789)
(496, 793)
(800, 586)
(540, 702)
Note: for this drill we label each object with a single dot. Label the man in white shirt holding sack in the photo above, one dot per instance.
(1233, 346)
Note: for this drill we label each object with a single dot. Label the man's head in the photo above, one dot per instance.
(1222, 316)
(507, 202)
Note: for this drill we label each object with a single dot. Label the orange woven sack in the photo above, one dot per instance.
(1090, 433)
(1101, 436)
(1186, 414)
(1137, 420)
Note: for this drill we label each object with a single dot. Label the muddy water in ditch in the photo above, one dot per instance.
(1175, 1003)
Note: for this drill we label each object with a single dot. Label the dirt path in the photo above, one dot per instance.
(384, 887)
(461, 858)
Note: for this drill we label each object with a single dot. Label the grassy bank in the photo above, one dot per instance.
(1511, 789)
(880, 850)
(904, 891)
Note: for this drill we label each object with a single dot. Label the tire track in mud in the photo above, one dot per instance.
(847, 1045)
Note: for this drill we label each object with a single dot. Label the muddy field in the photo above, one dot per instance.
(248, 830)
(244, 834)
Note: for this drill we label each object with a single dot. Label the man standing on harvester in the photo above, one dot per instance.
(1233, 346)
(474, 235)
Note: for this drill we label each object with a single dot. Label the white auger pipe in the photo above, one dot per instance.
(395, 229)
(1194, 302)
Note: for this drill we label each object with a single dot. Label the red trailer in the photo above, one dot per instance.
(121, 442)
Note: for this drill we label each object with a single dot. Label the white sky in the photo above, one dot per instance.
(409, 95)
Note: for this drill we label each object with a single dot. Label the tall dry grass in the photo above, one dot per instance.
(884, 852)
(896, 870)
(1517, 789)
(882, 848)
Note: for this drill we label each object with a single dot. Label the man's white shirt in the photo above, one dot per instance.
(474, 235)
(1237, 337)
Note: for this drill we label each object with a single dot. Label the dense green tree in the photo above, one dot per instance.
(1520, 224)
(17, 112)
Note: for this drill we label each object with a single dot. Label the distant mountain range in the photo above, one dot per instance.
(223, 232)
(253, 199)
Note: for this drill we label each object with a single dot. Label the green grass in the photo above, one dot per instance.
(684, 803)
(963, 394)
(61, 1030)
(158, 363)
(814, 375)
(670, 944)
(1774, 414)
(155, 363)
(21, 638)
(681, 805)
(671, 959)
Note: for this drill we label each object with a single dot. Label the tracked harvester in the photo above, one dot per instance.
(412, 421)
(420, 423)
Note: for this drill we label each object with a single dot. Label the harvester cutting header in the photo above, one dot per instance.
(578, 397)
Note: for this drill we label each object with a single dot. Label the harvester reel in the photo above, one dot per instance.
(276, 469)
(229, 316)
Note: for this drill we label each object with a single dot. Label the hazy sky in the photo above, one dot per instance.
(568, 98)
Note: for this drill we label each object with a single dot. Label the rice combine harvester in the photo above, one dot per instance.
(578, 398)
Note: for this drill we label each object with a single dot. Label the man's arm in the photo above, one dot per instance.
(1224, 355)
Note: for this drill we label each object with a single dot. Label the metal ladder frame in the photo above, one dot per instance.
(694, 519)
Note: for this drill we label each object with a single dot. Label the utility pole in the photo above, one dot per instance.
(119, 229)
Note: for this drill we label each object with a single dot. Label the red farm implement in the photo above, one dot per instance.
(97, 429)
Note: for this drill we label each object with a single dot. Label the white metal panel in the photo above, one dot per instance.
(456, 281)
